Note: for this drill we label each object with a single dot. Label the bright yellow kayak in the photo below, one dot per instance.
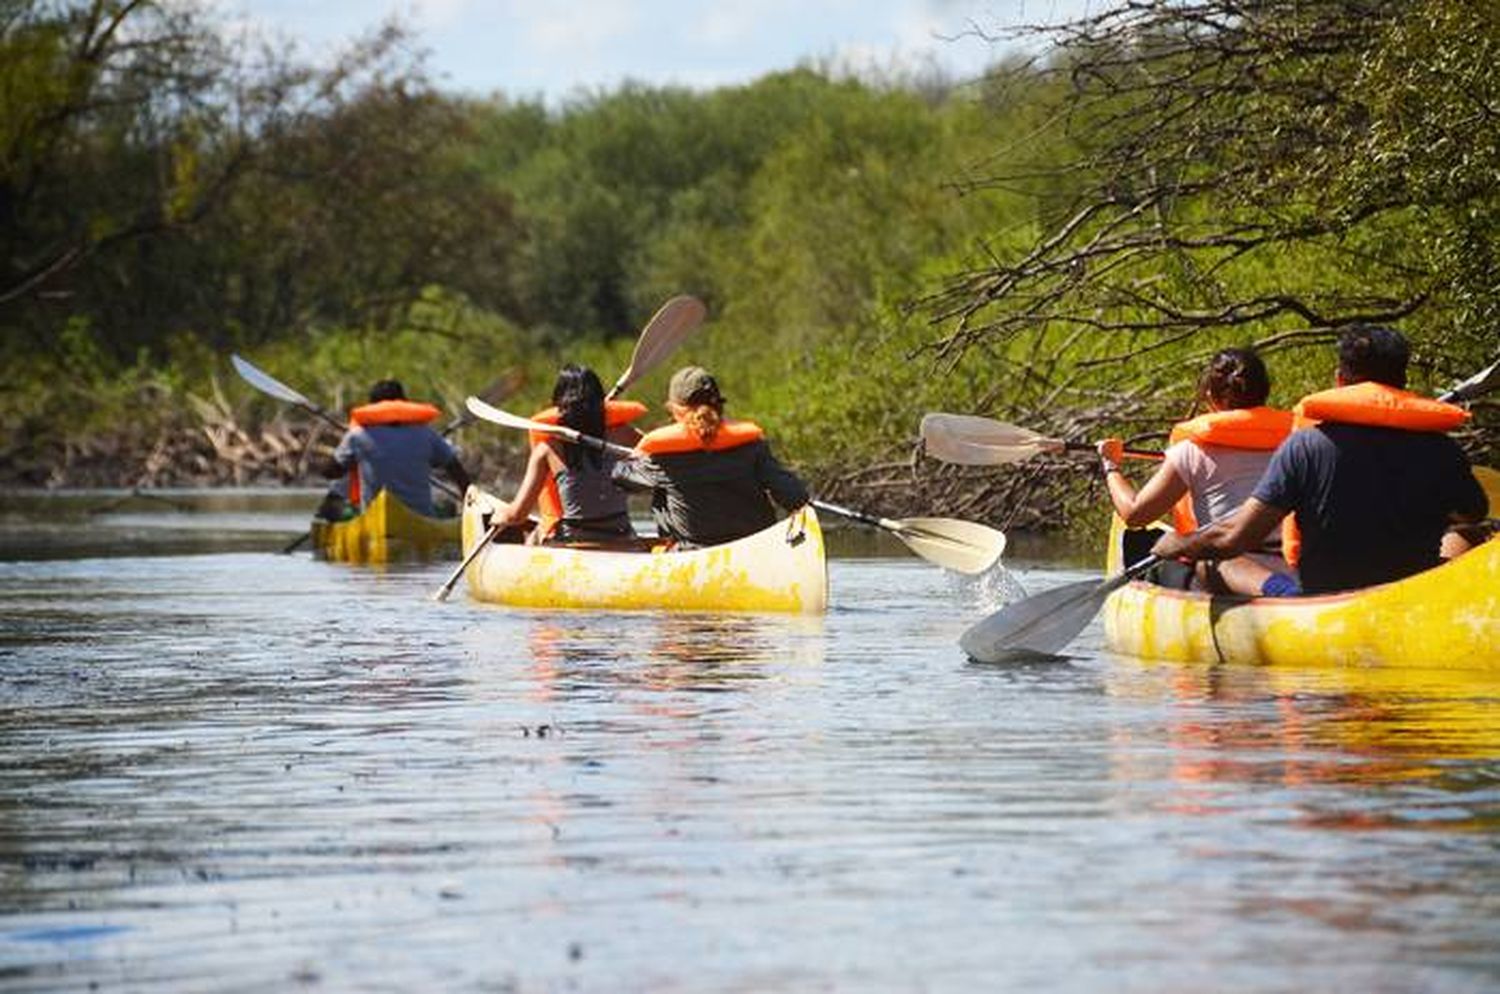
(782, 568)
(387, 531)
(1445, 618)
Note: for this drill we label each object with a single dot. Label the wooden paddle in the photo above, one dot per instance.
(272, 387)
(502, 387)
(488, 412)
(672, 323)
(962, 546)
(970, 440)
(1045, 623)
(1480, 383)
(441, 594)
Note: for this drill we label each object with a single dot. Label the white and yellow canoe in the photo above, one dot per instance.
(386, 531)
(1445, 618)
(782, 568)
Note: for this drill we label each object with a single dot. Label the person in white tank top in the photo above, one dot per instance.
(1216, 461)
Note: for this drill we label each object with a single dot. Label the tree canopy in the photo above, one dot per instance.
(1061, 243)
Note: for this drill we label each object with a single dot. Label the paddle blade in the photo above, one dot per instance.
(488, 412)
(962, 546)
(669, 326)
(266, 383)
(1480, 383)
(502, 387)
(1040, 625)
(968, 440)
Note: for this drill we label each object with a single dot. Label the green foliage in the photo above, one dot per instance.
(353, 223)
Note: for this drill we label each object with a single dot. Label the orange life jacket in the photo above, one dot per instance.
(549, 501)
(393, 412)
(385, 412)
(674, 439)
(1379, 406)
(1372, 404)
(1257, 428)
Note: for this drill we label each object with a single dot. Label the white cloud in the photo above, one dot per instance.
(525, 47)
(439, 13)
(577, 27)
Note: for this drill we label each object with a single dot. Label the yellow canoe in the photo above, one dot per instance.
(388, 531)
(1445, 618)
(782, 568)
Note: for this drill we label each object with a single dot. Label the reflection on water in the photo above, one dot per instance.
(1430, 737)
(75, 524)
(249, 771)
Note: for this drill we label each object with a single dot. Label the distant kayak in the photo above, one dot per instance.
(1445, 618)
(387, 531)
(782, 568)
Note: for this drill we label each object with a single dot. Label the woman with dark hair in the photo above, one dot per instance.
(1211, 465)
(573, 481)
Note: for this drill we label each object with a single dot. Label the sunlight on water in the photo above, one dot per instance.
(990, 590)
(242, 770)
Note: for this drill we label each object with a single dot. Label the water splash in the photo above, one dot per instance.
(990, 590)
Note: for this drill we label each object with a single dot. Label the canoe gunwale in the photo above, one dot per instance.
(1447, 617)
(780, 569)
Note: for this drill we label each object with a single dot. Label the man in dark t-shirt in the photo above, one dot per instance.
(1372, 503)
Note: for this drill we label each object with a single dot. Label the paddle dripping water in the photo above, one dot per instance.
(237, 769)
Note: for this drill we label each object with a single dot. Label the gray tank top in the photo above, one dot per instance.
(586, 493)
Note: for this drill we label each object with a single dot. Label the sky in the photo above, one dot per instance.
(556, 48)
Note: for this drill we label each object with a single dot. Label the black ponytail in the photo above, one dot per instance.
(579, 398)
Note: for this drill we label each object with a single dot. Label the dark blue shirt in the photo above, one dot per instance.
(395, 458)
(1372, 503)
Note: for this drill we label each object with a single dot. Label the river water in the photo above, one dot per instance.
(226, 769)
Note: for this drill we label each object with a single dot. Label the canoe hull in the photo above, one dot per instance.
(388, 531)
(780, 569)
(1445, 618)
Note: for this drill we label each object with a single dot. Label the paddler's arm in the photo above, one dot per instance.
(444, 456)
(1139, 508)
(636, 473)
(538, 466)
(1467, 524)
(1242, 531)
(342, 460)
(1470, 504)
(455, 471)
(784, 486)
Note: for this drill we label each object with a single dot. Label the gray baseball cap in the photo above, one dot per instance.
(693, 385)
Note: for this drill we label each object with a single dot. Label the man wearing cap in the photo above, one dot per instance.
(712, 480)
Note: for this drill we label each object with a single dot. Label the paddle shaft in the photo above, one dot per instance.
(1477, 385)
(1127, 453)
(448, 584)
(972, 440)
(860, 516)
